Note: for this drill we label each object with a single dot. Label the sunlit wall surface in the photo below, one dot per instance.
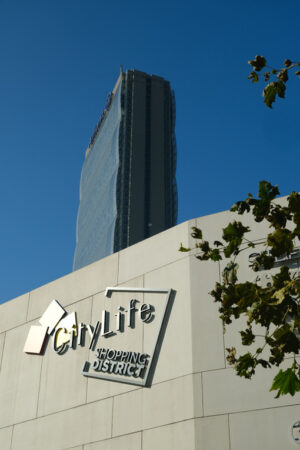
(128, 186)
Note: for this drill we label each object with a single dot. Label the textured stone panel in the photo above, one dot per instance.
(155, 252)
(62, 384)
(5, 438)
(128, 442)
(224, 392)
(269, 429)
(175, 358)
(2, 339)
(13, 313)
(19, 379)
(75, 448)
(67, 429)
(206, 326)
(212, 433)
(177, 436)
(163, 404)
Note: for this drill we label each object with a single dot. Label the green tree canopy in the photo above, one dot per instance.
(275, 307)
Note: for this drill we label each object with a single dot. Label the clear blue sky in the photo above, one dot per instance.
(60, 59)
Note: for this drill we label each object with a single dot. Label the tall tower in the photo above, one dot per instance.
(128, 188)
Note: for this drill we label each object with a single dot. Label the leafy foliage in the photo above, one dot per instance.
(278, 77)
(275, 307)
(286, 382)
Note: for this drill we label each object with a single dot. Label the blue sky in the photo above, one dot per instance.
(60, 59)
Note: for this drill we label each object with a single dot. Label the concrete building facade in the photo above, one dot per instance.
(193, 400)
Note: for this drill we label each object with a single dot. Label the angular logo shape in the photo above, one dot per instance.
(53, 314)
(146, 380)
(37, 335)
(36, 339)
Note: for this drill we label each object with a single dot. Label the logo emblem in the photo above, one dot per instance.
(126, 360)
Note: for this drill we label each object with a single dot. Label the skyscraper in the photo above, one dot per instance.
(128, 188)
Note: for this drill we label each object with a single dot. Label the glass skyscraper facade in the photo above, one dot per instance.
(128, 187)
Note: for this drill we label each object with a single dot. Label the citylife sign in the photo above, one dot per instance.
(114, 364)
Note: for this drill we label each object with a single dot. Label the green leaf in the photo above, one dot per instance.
(240, 207)
(296, 220)
(206, 251)
(267, 191)
(280, 279)
(217, 292)
(263, 261)
(247, 336)
(281, 242)
(286, 382)
(280, 332)
(286, 292)
(197, 233)
(297, 323)
(183, 249)
(254, 77)
(258, 63)
(288, 62)
(204, 246)
(234, 230)
(283, 75)
(294, 202)
(231, 357)
(233, 234)
(286, 339)
(215, 255)
(279, 296)
(277, 354)
(218, 244)
(271, 90)
(230, 273)
(281, 87)
(245, 366)
(264, 363)
(263, 206)
(269, 94)
(278, 216)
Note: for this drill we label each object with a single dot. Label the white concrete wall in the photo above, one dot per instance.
(195, 401)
